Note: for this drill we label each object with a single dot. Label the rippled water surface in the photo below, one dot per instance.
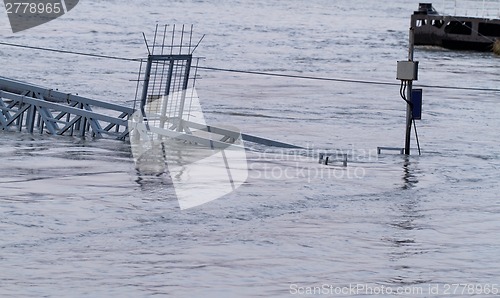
(78, 219)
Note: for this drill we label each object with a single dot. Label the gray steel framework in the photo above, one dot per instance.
(164, 105)
(37, 109)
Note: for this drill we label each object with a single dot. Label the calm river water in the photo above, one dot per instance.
(78, 220)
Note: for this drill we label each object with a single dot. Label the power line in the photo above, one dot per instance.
(68, 52)
(459, 88)
(272, 74)
(343, 80)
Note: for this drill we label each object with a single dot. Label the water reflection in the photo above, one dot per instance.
(409, 178)
(406, 250)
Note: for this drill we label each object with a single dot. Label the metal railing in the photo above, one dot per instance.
(38, 109)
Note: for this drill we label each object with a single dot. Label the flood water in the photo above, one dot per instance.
(79, 220)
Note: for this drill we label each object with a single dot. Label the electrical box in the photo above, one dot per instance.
(416, 101)
(407, 70)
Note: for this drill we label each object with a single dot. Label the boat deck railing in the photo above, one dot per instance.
(469, 8)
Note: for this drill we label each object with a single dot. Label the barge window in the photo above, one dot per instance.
(421, 23)
(437, 23)
(489, 29)
(462, 28)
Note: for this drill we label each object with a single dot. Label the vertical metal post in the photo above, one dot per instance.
(166, 96)
(185, 85)
(30, 120)
(20, 118)
(409, 89)
(147, 76)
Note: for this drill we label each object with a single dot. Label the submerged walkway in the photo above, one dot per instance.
(32, 108)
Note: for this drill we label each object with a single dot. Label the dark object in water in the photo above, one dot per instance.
(453, 32)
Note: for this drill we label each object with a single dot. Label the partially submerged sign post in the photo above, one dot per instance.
(407, 72)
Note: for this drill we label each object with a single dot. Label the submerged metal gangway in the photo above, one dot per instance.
(167, 105)
(33, 108)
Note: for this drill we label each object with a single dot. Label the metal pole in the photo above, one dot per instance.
(409, 88)
(147, 77)
(183, 94)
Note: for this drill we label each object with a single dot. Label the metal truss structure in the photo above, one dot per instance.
(37, 109)
(168, 105)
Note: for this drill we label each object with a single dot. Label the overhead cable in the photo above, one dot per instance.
(262, 73)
